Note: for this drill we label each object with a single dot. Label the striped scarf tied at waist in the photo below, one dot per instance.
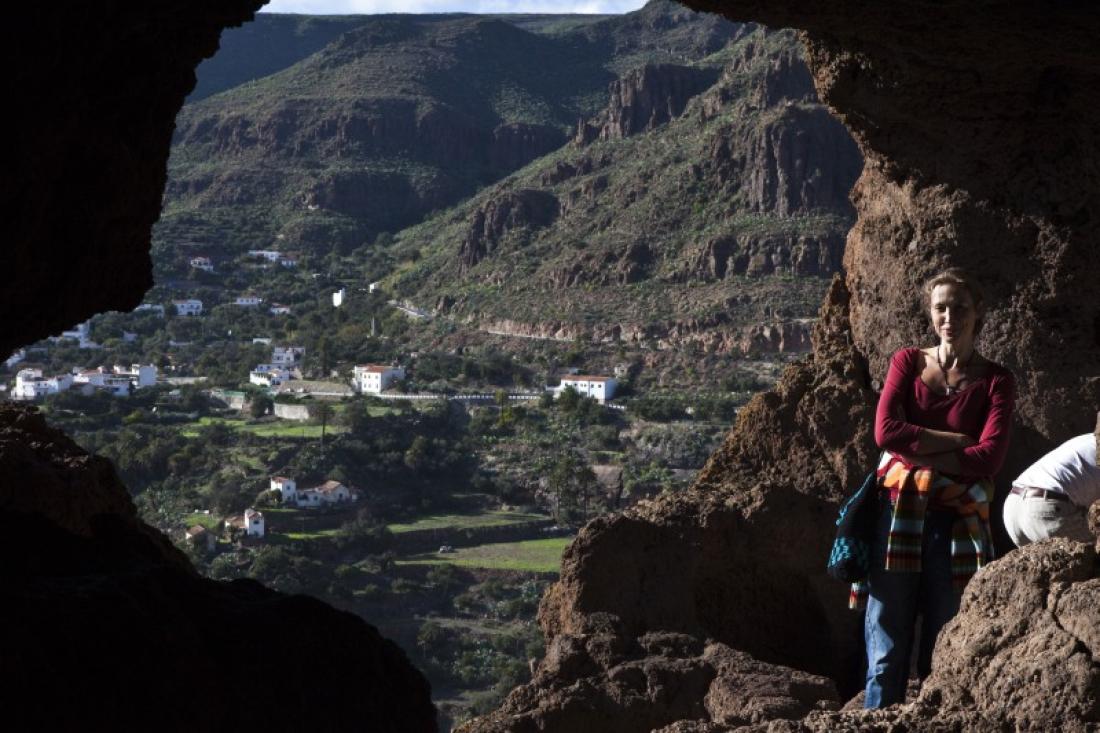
(915, 489)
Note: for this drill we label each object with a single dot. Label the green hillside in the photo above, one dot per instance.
(708, 219)
(393, 118)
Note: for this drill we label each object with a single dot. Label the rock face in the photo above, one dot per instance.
(104, 620)
(103, 86)
(512, 210)
(983, 159)
(644, 99)
(602, 682)
(104, 608)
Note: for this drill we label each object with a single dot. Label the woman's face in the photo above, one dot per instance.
(954, 314)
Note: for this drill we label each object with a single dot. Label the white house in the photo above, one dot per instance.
(599, 388)
(31, 385)
(338, 298)
(287, 356)
(278, 309)
(253, 523)
(202, 263)
(119, 385)
(15, 358)
(141, 375)
(375, 378)
(328, 493)
(290, 259)
(268, 375)
(374, 286)
(271, 255)
(287, 487)
(248, 300)
(81, 333)
(188, 307)
(153, 307)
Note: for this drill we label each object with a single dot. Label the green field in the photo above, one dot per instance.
(206, 520)
(534, 556)
(281, 429)
(466, 521)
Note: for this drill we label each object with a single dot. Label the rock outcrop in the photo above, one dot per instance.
(104, 619)
(105, 624)
(102, 86)
(525, 209)
(986, 159)
(645, 99)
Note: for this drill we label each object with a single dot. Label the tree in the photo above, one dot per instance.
(322, 411)
(260, 405)
(572, 484)
(569, 398)
(417, 456)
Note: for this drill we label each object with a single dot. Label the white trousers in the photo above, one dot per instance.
(1035, 518)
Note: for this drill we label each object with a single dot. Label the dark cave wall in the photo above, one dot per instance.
(93, 92)
(104, 621)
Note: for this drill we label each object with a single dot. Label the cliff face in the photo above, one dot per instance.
(981, 150)
(106, 624)
(645, 99)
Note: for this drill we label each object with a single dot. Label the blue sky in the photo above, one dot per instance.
(355, 7)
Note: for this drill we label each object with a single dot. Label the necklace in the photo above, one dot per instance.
(953, 388)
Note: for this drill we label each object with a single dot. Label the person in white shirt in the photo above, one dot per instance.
(1051, 498)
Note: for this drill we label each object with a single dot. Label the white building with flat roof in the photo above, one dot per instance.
(287, 356)
(268, 375)
(31, 385)
(599, 388)
(188, 307)
(248, 300)
(153, 307)
(375, 378)
(202, 263)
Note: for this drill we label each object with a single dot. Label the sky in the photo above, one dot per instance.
(357, 7)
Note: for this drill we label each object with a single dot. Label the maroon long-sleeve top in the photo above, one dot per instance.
(983, 411)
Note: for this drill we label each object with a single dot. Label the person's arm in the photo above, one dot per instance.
(947, 462)
(986, 457)
(893, 432)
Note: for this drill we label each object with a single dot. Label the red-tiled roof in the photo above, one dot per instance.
(585, 378)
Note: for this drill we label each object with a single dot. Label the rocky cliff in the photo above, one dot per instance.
(706, 205)
(105, 624)
(382, 119)
(980, 150)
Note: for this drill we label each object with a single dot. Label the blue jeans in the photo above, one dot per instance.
(895, 600)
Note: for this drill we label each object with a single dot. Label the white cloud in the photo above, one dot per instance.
(366, 7)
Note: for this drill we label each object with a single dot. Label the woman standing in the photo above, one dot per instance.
(943, 423)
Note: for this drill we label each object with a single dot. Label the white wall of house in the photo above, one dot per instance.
(248, 301)
(599, 388)
(253, 523)
(287, 355)
(189, 307)
(375, 378)
(288, 487)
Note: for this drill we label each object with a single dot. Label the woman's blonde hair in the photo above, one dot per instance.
(960, 278)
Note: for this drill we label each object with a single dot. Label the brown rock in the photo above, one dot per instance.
(507, 212)
(607, 682)
(644, 99)
(104, 619)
